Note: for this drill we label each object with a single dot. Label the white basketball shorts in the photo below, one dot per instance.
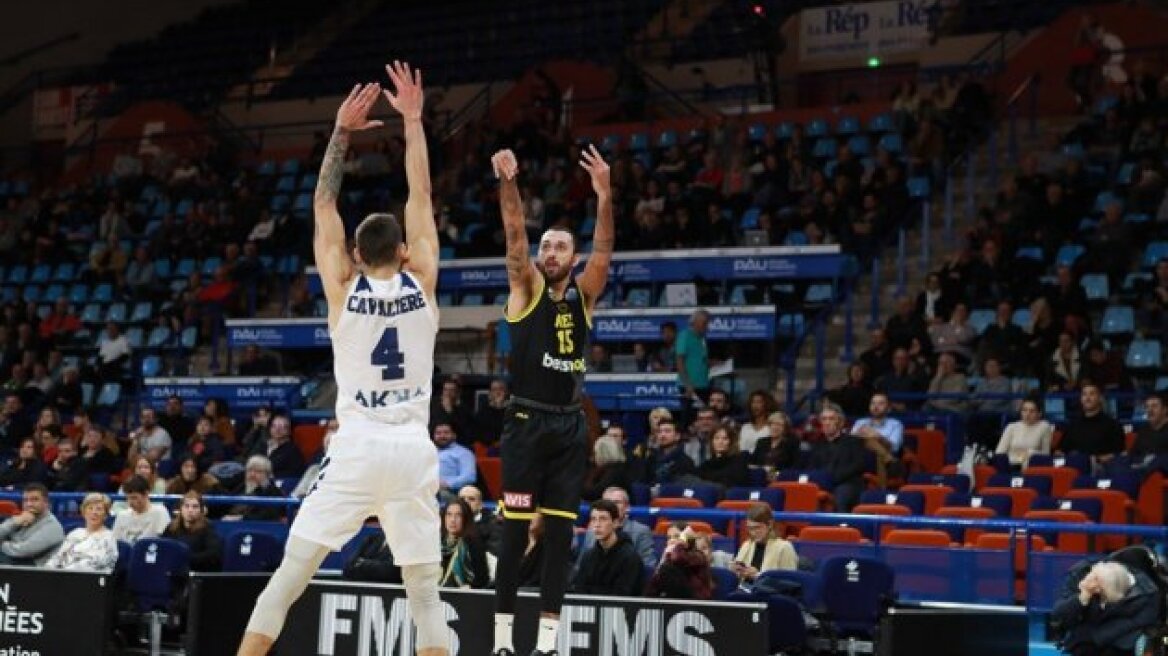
(373, 469)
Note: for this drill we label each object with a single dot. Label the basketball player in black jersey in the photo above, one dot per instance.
(545, 436)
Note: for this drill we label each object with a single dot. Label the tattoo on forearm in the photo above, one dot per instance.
(516, 250)
(602, 245)
(332, 170)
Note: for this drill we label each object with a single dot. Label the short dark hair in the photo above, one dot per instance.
(37, 487)
(663, 422)
(377, 238)
(567, 231)
(136, 485)
(608, 507)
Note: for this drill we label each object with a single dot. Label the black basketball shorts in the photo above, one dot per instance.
(545, 455)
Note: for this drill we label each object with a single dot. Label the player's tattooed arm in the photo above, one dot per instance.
(352, 116)
(518, 260)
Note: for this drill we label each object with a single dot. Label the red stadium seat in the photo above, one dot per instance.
(929, 448)
(916, 538)
(962, 512)
(845, 534)
(492, 471)
(1021, 497)
(1061, 478)
(1068, 542)
(934, 495)
(308, 439)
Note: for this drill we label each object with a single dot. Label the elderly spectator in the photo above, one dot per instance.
(611, 566)
(25, 468)
(1030, 435)
(727, 465)
(312, 471)
(191, 527)
(610, 465)
(693, 359)
(464, 559)
(1114, 605)
(780, 449)
(257, 482)
(842, 456)
(141, 519)
(764, 550)
(92, 547)
(31, 536)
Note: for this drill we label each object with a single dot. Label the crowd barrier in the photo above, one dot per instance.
(951, 574)
(44, 613)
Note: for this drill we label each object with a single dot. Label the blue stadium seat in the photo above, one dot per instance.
(91, 314)
(116, 313)
(1055, 409)
(1161, 383)
(65, 272)
(290, 167)
(302, 206)
(610, 143)
(588, 226)
(183, 208)
(1126, 173)
(860, 146)
(87, 394)
(79, 294)
(980, 319)
(749, 219)
(819, 293)
(1030, 253)
(1095, 286)
(53, 292)
(18, 275)
(41, 274)
(817, 128)
(308, 181)
(796, 238)
(188, 338)
(638, 142)
(847, 125)
(159, 336)
(252, 551)
(1021, 318)
(1154, 252)
(135, 337)
(1136, 218)
(824, 148)
(1105, 199)
(1092, 508)
(1001, 505)
(707, 494)
(881, 123)
(1040, 484)
(892, 143)
(918, 187)
(289, 265)
(151, 366)
(280, 203)
(109, 396)
(103, 293)
(209, 266)
(472, 298)
(142, 312)
(756, 132)
(1068, 254)
(1118, 320)
(1144, 354)
(267, 168)
(855, 593)
(784, 130)
(667, 139)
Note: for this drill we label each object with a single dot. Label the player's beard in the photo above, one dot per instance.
(554, 278)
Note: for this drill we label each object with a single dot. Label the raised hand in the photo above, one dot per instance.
(353, 114)
(592, 161)
(505, 165)
(407, 83)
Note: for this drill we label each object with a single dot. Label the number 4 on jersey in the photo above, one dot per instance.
(388, 356)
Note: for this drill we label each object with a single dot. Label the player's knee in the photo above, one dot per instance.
(421, 583)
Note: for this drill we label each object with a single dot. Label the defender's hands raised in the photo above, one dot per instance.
(353, 114)
(407, 82)
(592, 161)
(505, 165)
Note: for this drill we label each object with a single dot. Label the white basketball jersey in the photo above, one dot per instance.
(383, 351)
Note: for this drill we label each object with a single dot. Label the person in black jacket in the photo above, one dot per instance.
(1095, 432)
(99, 459)
(25, 468)
(373, 562)
(842, 456)
(669, 463)
(192, 528)
(1114, 605)
(611, 566)
(610, 466)
(69, 472)
(727, 465)
(488, 421)
(780, 450)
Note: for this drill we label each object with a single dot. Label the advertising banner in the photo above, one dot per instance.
(864, 29)
(240, 392)
(49, 612)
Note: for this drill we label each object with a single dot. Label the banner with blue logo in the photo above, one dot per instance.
(240, 392)
(864, 29)
(640, 391)
(752, 322)
(770, 263)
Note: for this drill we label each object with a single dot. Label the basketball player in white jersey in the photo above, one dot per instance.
(383, 322)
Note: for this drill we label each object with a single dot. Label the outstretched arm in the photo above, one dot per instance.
(520, 274)
(328, 234)
(421, 233)
(595, 275)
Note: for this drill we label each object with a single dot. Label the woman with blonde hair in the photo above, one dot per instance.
(763, 550)
(781, 448)
(89, 548)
